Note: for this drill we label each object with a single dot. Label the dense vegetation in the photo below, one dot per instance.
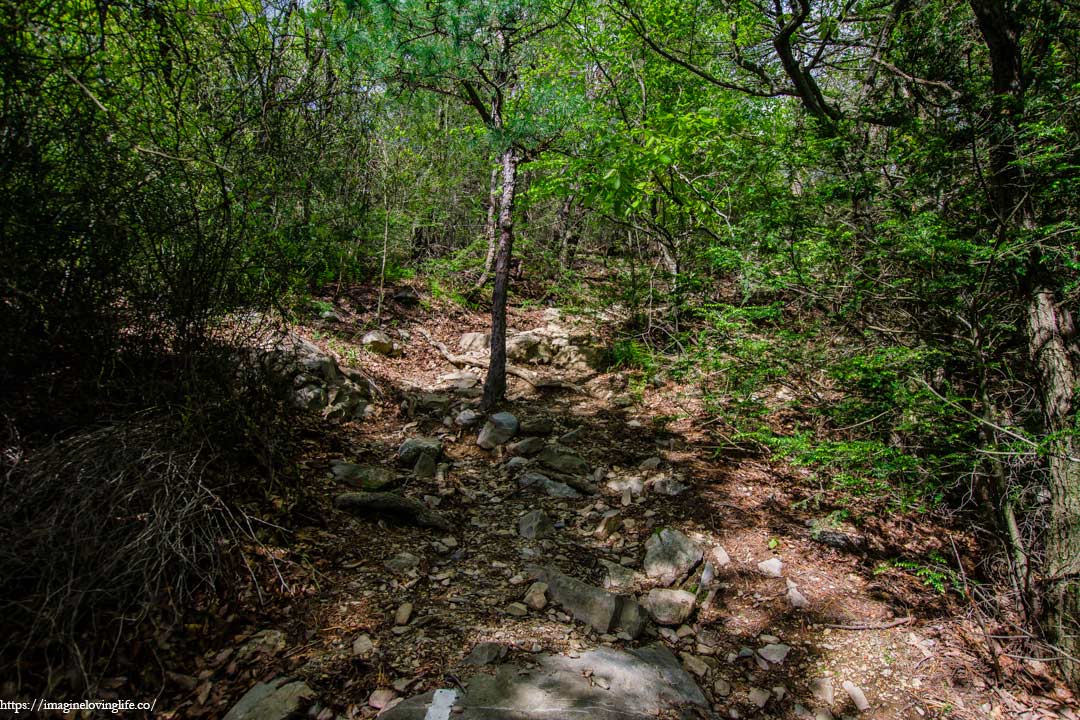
(872, 202)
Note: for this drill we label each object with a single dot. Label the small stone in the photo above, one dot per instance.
(411, 450)
(650, 464)
(534, 525)
(536, 595)
(772, 567)
(517, 610)
(536, 426)
(795, 598)
(609, 525)
(694, 664)
(526, 447)
(425, 466)
(362, 646)
(381, 698)
(670, 555)
(402, 562)
(669, 607)
(486, 653)
(378, 342)
(759, 696)
(467, 418)
(720, 557)
(722, 687)
(404, 612)
(857, 696)
(499, 428)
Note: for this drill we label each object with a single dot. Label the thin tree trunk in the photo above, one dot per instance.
(495, 384)
(490, 227)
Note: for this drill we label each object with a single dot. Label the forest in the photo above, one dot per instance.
(540, 359)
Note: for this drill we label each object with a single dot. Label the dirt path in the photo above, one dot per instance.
(388, 610)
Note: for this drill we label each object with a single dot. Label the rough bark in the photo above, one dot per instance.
(495, 384)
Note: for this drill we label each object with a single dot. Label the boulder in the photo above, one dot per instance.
(475, 342)
(601, 684)
(670, 556)
(275, 700)
(499, 428)
(378, 342)
(669, 607)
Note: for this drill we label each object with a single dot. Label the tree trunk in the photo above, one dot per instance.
(1050, 334)
(495, 384)
(490, 228)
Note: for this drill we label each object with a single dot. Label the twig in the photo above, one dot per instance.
(873, 626)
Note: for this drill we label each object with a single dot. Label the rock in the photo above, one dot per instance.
(632, 484)
(499, 428)
(664, 485)
(759, 696)
(475, 342)
(601, 610)
(535, 524)
(572, 435)
(381, 698)
(694, 664)
(384, 504)
(406, 296)
(523, 347)
(794, 597)
(773, 567)
(722, 687)
(774, 652)
(563, 461)
(609, 525)
(649, 464)
(823, 691)
(669, 607)
(837, 539)
(378, 342)
(276, 700)
(486, 653)
(425, 466)
(515, 465)
(402, 562)
(411, 450)
(618, 577)
(362, 646)
(462, 380)
(601, 684)
(404, 612)
(670, 556)
(536, 595)
(364, 477)
(720, 557)
(536, 426)
(264, 642)
(527, 447)
(517, 610)
(467, 418)
(555, 488)
(857, 696)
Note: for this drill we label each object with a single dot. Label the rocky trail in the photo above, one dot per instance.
(586, 553)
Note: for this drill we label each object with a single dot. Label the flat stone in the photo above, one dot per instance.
(670, 556)
(601, 684)
(536, 426)
(722, 687)
(720, 557)
(517, 610)
(795, 598)
(402, 562)
(563, 461)
(773, 567)
(609, 525)
(857, 696)
(362, 646)
(276, 700)
(774, 652)
(381, 698)
(664, 485)
(526, 447)
(411, 450)
(365, 477)
(404, 612)
(475, 342)
(669, 607)
(515, 465)
(694, 664)
(379, 342)
(823, 691)
(617, 577)
(601, 610)
(650, 464)
(535, 524)
(467, 418)
(759, 696)
(499, 428)
(425, 466)
(486, 653)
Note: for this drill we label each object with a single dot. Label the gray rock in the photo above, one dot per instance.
(837, 539)
(602, 684)
(536, 426)
(601, 610)
(670, 556)
(536, 595)
(468, 418)
(276, 700)
(774, 652)
(535, 524)
(499, 428)
(669, 607)
(609, 525)
(363, 646)
(402, 562)
(311, 397)
(379, 342)
(381, 697)
(857, 696)
(515, 465)
(563, 461)
(664, 485)
(794, 597)
(517, 610)
(425, 466)
(720, 557)
(572, 435)
(633, 483)
(364, 477)
(411, 450)
(617, 577)
(773, 567)
(403, 614)
(650, 464)
(554, 488)
(385, 504)
(406, 296)
(524, 347)
(823, 691)
(462, 380)
(475, 342)
(759, 696)
(527, 447)
(486, 653)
